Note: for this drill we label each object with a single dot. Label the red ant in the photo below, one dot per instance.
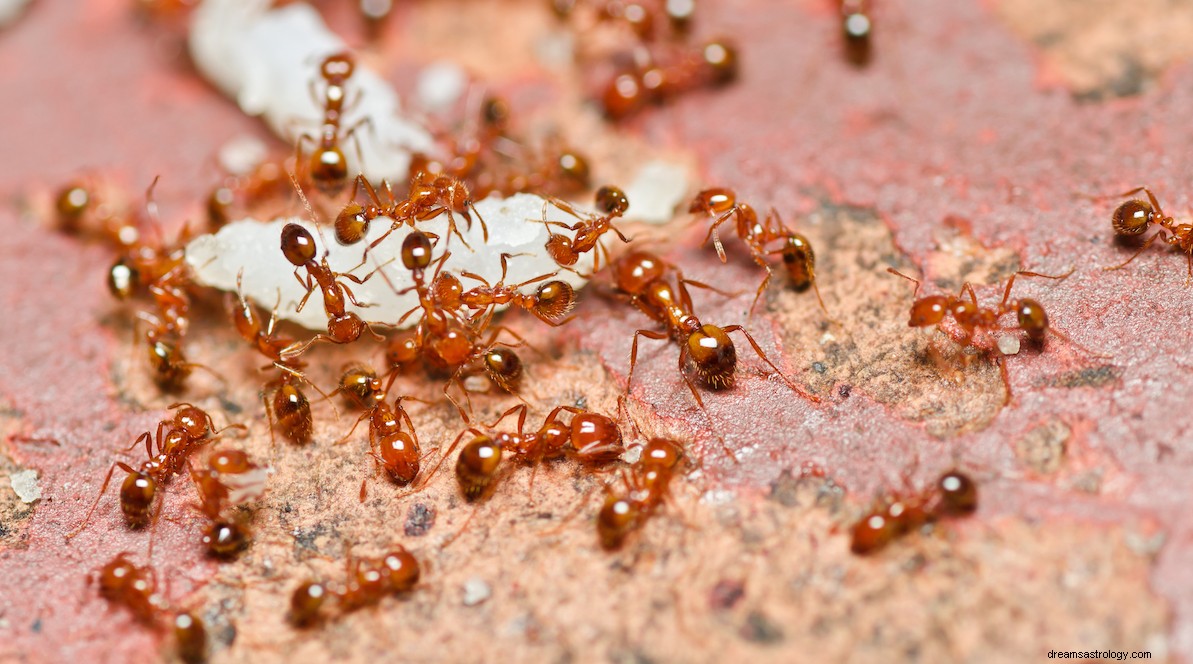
(136, 589)
(591, 438)
(430, 196)
(395, 450)
(612, 202)
(549, 303)
(643, 18)
(230, 479)
(642, 276)
(956, 495)
(972, 320)
(659, 79)
(369, 581)
(857, 28)
(175, 439)
(1134, 217)
(328, 166)
(646, 486)
(343, 326)
(798, 257)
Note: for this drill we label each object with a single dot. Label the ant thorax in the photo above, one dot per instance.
(515, 226)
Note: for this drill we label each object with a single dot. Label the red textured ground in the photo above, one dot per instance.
(962, 154)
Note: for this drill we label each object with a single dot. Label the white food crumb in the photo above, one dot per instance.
(440, 86)
(242, 154)
(1008, 344)
(24, 483)
(515, 227)
(476, 590)
(656, 191)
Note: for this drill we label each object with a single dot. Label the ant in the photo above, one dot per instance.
(641, 18)
(395, 450)
(857, 28)
(230, 479)
(565, 251)
(343, 326)
(646, 486)
(972, 320)
(549, 303)
(1134, 217)
(707, 348)
(796, 251)
(328, 165)
(282, 398)
(591, 438)
(369, 581)
(136, 589)
(430, 196)
(955, 495)
(175, 439)
(659, 79)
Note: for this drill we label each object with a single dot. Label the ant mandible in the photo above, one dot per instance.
(642, 276)
(799, 259)
(176, 438)
(1135, 216)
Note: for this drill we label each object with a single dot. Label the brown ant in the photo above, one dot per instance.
(857, 28)
(611, 202)
(796, 251)
(343, 326)
(190, 637)
(176, 438)
(549, 303)
(973, 320)
(395, 450)
(707, 348)
(430, 196)
(662, 76)
(646, 486)
(591, 438)
(955, 495)
(135, 588)
(328, 166)
(1134, 217)
(369, 582)
(230, 479)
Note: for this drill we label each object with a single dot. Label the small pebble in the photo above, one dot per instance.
(1008, 344)
(476, 591)
(24, 482)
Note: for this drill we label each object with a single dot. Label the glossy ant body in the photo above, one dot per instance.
(955, 495)
(175, 439)
(796, 251)
(430, 196)
(590, 438)
(395, 449)
(857, 28)
(549, 303)
(973, 320)
(661, 76)
(327, 165)
(611, 203)
(368, 582)
(642, 277)
(1135, 217)
(646, 486)
(135, 588)
(230, 479)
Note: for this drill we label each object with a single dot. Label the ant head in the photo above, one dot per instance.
(298, 245)
(122, 279)
(612, 201)
(714, 355)
(403, 569)
(554, 299)
(71, 203)
(1132, 217)
(416, 251)
(117, 574)
(574, 168)
(636, 270)
(1032, 318)
(623, 96)
(721, 58)
(958, 493)
(337, 67)
(928, 311)
(714, 201)
(351, 224)
(403, 349)
(447, 287)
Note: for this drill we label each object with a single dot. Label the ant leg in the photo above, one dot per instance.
(762, 288)
(148, 441)
(299, 347)
(913, 280)
(649, 334)
(78, 529)
(718, 291)
(484, 226)
(521, 416)
(757, 349)
(1006, 377)
(363, 416)
(308, 285)
(715, 235)
(1143, 248)
(1065, 338)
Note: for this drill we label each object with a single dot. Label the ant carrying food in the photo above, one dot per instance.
(549, 303)
(230, 479)
(798, 258)
(973, 321)
(175, 439)
(328, 166)
(955, 495)
(590, 438)
(611, 203)
(1134, 217)
(709, 351)
(646, 486)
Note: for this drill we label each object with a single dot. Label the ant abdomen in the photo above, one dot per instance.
(554, 299)
(617, 518)
(1032, 319)
(190, 637)
(1132, 217)
(958, 494)
(293, 412)
(352, 224)
(400, 457)
(595, 438)
(298, 245)
(504, 367)
(713, 356)
(872, 533)
(477, 466)
(225, 539)
(800, 261)
(306, 603)
(136, 497)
